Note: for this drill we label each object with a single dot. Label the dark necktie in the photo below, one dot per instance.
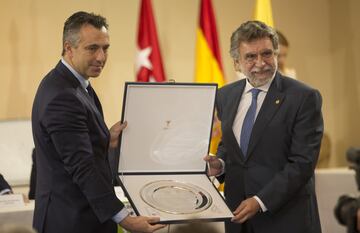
(90, 91)
(248, 122)
(92, 94)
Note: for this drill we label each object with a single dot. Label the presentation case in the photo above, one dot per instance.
(161, 167)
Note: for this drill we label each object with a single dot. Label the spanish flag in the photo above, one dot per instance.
(263, 12)
(208, 67)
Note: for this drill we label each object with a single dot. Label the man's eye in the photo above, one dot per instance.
(250, 57)
(267, 54)
(92, 48)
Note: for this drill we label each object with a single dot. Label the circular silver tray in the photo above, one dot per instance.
(175, 197)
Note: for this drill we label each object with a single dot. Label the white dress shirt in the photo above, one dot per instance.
(244, 105)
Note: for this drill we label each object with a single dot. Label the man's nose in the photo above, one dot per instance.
(259, 61)
(101, 55)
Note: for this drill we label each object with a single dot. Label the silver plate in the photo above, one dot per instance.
(175, 197)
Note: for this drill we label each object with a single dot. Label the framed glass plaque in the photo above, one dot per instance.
(161, 165)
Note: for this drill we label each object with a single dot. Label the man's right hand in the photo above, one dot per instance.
(115, 131)
(141, 224)
(214, 165)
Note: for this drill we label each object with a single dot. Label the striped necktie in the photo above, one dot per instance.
(249, 122)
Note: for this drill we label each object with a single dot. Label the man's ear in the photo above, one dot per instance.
(68, 48)
(237, 65)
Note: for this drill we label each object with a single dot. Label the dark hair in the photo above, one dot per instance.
(74, 23)
(250, 31)
(282, 39)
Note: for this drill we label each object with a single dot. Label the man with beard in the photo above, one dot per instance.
(271, 131)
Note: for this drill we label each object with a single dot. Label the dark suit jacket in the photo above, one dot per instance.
(32, 185)
(4, 184)
(74, 192)
(282, 154)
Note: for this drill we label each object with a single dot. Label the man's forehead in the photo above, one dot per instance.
(257, 44)
(89, 28)
(91, 34)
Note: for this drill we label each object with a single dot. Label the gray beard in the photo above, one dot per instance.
(257, 82)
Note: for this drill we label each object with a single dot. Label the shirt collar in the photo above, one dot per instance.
(83, 82)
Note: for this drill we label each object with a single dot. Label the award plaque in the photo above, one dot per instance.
(161, 167)
(175, 197)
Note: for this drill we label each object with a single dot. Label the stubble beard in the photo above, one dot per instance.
(262, 80)
(257, 82)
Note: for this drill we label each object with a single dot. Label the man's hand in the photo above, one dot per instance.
(246, 210)
(115, 131)
(141, 224)
(214, 165)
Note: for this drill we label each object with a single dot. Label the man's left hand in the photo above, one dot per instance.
(246, 210)
(115, 131)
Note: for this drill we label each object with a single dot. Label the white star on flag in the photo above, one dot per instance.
(148, 64)
(142, 59)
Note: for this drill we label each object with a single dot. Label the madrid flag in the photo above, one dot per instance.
(149, 67)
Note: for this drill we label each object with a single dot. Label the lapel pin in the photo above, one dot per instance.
(277, 102)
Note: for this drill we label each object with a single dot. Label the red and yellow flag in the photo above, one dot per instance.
(263, 12)
(208, 67)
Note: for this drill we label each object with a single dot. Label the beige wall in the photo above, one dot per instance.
(323, 34)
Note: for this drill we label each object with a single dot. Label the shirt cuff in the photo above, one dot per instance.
(262, 206)
(223, 168)
(5, 191)
(121, 215)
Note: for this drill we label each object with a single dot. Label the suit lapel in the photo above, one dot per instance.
(86, 99)
(82, 94)
(235, 97)
(270, 106)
